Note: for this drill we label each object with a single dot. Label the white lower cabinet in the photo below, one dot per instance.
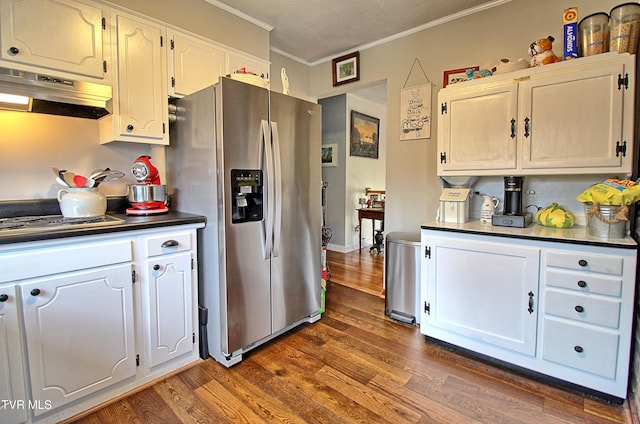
(168, 286)
(581, 347)
(468, 277)
(560, 309)
(84, 320)
(79, 330)
(12, 377)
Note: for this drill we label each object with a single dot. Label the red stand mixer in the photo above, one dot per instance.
(148, 197)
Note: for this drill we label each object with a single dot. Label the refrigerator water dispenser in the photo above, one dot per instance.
(246, 195)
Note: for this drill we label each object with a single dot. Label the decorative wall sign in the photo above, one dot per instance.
(330, 154)
(415, 109)
(365, 132)
(346, 68)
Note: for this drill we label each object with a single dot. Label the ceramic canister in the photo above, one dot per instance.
(81, 202)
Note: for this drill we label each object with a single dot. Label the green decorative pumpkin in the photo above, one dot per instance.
(556, 217)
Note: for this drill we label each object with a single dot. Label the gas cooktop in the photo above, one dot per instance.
(31, 224)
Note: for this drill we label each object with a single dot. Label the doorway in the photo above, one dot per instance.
(348, 176)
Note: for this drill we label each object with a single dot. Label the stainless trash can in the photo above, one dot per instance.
(402, 277)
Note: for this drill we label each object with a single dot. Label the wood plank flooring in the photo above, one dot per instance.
(358, 269)
(355, 366)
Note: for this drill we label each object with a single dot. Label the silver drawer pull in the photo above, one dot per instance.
(578, 349)
(579, 308)
(170, 243)
(582, 284)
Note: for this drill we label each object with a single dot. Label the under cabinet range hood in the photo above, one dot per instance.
(53, 95)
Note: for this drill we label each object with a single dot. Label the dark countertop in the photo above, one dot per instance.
(578, 234)
(131, 223)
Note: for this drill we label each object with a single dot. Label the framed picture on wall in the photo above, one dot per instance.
(364, 137)
(330, 154)
(346, 68)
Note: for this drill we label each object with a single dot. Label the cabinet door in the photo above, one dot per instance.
(12, 389)
(142, 76)
(58, 34)
(574, 120)
(195, 64)
(483, 290)
(170, 307)
(476, 128)
(80, 333)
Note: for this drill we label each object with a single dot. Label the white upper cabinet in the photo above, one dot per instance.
(574, 117)
(140, 102)
(62, 35)
(193, 64)
(473, 140)
(575, 121)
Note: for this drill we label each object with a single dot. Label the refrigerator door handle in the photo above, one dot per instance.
(277, 223)
(266, 157)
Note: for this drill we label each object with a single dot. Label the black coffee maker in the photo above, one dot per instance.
(512, 213)
(513, 195)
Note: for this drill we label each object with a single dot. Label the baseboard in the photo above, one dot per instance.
(345, 249)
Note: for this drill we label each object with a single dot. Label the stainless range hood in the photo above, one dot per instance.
(54, 95)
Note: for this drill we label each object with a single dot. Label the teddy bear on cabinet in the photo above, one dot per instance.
(541, 52)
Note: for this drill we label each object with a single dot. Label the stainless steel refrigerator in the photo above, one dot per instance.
(249, 160)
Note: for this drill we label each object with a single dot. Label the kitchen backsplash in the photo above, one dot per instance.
(540, 191)
(30, 144)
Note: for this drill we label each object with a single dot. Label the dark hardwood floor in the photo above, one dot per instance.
(355, 366)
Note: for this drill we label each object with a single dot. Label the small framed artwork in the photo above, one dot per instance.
(457, 75)
(364, 138)
(346, 68)
(330, 154)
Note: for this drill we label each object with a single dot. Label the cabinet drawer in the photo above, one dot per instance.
(577, 346)
(586, 283)
(585, 262)
(168, 243)
(584, 308)
(62, 258)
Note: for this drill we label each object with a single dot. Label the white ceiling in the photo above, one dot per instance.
(314, 31)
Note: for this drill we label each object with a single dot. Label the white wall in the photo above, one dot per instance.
(482, 39)
(202, 18)
(334, 130)
(297, 73)
(30, 144)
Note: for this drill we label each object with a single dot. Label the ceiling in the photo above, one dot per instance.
(314, 31)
